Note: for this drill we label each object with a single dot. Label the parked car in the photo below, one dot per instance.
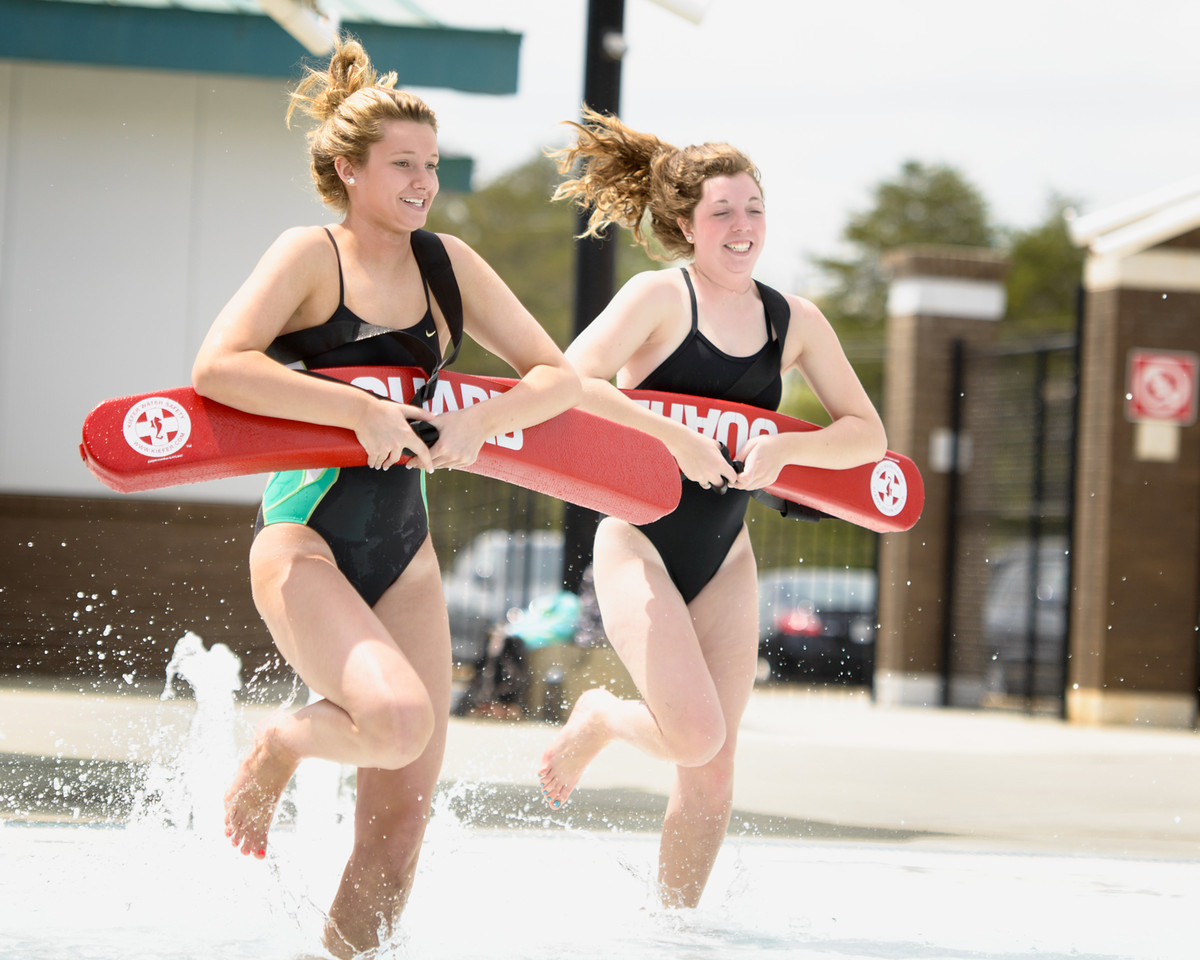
(499, 571)
(818, 622)
(1009, 635)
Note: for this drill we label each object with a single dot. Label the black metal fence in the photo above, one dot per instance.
(462, 507)
(1008, 576)
(501, 547)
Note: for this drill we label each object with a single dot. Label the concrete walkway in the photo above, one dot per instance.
(827, 764)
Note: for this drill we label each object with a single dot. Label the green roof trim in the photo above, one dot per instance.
(247, 44)
(454, 174)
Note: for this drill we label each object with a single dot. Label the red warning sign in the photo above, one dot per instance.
(1161, 386)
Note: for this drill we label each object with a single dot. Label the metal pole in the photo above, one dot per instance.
(1037, 509)
(1072, 493)
(950, 556)
(595, 260)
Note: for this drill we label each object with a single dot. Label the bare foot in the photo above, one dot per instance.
(584, 736)
(336, 943)
(250, 802)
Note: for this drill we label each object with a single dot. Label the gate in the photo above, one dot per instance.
(1008, 573)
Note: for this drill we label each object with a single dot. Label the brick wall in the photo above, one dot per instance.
(103, 588)
(1138, 564)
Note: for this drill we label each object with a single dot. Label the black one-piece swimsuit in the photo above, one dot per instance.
(694, 539)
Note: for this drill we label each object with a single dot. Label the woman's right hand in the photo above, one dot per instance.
(700, 459)
(385, 434)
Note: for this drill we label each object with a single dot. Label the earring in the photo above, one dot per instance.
(687, 238)
(350, 180)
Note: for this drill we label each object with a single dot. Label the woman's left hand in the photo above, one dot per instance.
(458, 443)
(761, 463)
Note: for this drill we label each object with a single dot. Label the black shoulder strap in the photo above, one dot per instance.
(777, 309)
(436, 268)
(687, 278)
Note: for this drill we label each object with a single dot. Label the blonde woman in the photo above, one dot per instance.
(678, 597)
(342, 567)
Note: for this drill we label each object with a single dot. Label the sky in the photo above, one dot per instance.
(1095, 100)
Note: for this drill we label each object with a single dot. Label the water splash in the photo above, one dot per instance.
(186, 790)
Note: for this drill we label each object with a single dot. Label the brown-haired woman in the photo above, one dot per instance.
(678, 597)
(342, 567)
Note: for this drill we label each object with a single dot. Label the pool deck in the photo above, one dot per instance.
(821, 763)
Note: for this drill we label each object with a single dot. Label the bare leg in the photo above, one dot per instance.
(698, 810)
(390, 821)
(652, 630)
(392, 808)
(697, 817)
(377, 709)
(695, 667)
(694, 828)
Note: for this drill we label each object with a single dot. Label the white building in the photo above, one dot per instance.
(145, 166)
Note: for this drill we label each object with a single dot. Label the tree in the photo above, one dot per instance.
(922, 204)
(527, 239)
(1044, 279)
(925, 203)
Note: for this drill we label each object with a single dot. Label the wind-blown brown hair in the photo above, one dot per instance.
(625, 175)
(350, 104)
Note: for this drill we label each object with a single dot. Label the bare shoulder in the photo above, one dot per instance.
(808, 330)
(304, 238)
(653, 298)
(454, 246)
(306, 247)
(293, 285)
(462, 255)
(804, 311)
(654, 287)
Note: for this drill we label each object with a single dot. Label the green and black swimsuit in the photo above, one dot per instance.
(373, 520)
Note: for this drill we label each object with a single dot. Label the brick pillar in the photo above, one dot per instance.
(938, 295)
(1137, 566)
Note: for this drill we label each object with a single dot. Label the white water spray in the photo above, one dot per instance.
(191, 786)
